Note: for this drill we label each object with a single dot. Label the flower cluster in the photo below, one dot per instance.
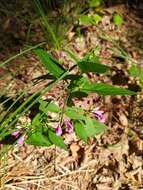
(69, 128)
(98, 114)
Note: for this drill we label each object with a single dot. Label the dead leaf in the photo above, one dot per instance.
(123, 119)
(77, 152)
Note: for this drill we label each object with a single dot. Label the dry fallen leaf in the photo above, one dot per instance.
(77, 152)
(123, 119)
(74, 150)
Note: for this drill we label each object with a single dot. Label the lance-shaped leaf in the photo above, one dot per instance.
(106, 89)
(91, 63)
(96, 67)
(48, 106)
(82, 84)
(49, 62)
(80, 131)
(74, 113)
(93, 127)
(38, 139)
(57, 140)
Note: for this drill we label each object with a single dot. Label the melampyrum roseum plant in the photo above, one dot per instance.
(52, 121)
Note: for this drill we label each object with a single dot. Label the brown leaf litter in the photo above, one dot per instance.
(111, 161)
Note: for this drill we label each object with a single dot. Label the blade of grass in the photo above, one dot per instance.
(15, 114)
(21, 53)
(7, 111)
(122, 52)
(46, 24)
(72, 54)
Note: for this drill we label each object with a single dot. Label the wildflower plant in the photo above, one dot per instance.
(52, 121)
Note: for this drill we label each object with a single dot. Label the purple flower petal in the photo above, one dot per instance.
(21, 140)
(99, 115)
(59, 131)
(15, 134)
(69, 126)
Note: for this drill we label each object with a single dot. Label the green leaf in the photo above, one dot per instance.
(38, 139)
(94, 127)
(95, 3)
(141, 75)
(36, 120)
(91, 63)
(48, 106)
(74, 113)
(89, 127)
(100, 127)
(86, 66)
(105, 89)
(90, 20)
(92, 56)
(37, 123)
(96, 18)
(50, 63)
(57, 140)
(117, 19)
(134, 71)
(78, 82)
(82, 84)
(85, 20)
(80, 131)
(137, 71)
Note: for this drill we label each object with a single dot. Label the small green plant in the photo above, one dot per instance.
(50, 122)
(95, 3)
(71, 117)
(117, 19)
(90, 20)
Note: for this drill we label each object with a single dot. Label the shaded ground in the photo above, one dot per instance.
(112, 161)
(20, 27)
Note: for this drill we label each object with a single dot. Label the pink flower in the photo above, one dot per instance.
(69, 126)
(99, 115)
(16, 134)
(21, 140)
(59, 131)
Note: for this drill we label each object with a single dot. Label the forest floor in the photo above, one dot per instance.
(114, 160)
